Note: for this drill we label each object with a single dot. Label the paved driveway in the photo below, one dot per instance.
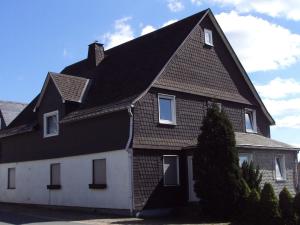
(27, 215)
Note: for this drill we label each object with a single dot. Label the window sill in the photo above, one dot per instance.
(165, 123)
(174, 185)
(97, 186)
(280, 180)
(208, 45)
(9, 188)
(251, 131)
(50, 135)
(53, 187)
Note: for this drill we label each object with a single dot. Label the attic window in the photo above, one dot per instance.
(250, 120)
(280, 170)
(208, 39)
(51, 127)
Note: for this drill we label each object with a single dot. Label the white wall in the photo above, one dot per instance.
(33, 177)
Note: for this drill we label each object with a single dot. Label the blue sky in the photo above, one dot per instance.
(41, 36)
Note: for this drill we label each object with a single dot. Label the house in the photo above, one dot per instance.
(9, 111)
(116, 131)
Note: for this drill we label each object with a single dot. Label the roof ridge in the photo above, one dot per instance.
(53, 74)
(13, 102)
(161, 28)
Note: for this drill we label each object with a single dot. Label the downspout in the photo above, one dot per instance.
(130, 161)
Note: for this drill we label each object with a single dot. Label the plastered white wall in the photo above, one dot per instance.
(33, 177)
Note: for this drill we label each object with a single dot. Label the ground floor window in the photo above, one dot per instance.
(99, 174)
(244, 157)
(11, 178)
(55, 174)
(280, 170)
(171, 170)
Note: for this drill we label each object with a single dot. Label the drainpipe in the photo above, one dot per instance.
(130, 160)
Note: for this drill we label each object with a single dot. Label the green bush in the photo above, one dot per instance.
(252, 175)
(286, 207)
(297, 207)
(252, 207)
(218, 180)
(269, 206)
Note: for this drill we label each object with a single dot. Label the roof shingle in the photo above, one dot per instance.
(10, 110)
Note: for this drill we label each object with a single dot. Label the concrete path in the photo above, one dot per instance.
(19, 215)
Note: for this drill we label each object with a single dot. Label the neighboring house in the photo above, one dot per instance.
(9, 111)
(117, 130)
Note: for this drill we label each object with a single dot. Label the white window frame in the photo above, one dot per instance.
(173, 109)
(177, 171)
(254, 125)
(282, 158)
(209, 32)
(49, 114)
(248, 155)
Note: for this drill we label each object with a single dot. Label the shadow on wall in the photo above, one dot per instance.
(149, 189)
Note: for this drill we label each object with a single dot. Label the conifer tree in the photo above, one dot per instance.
(217, 173)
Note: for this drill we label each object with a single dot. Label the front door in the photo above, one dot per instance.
(192, 194)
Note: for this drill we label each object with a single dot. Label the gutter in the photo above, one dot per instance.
(130, 161)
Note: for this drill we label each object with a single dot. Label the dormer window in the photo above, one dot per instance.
(250, 120)
(51, 127)
(167, 109)
(208, 39)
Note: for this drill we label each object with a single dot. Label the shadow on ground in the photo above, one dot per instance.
(18, 215)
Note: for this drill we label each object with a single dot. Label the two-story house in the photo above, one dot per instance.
(116, 131)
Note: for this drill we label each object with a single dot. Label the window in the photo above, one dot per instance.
(280, 171)
(218, 104)
(171, 170)
(244, 157)
(99, 174)
(250, 120)
(54, 176)
(208, 39)
(51, 124)
(167, 109)
(11, 178)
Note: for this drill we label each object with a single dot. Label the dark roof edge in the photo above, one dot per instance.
(43, 91)
(94, 114)
(255, 147)
(267, 148)
(26, 128)
(241, 68)
(169, 60)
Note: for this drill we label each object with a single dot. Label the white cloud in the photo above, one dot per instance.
(282, 99)
(169, 22)
(175, 5)
(196, 2)
(289, 9)
(279, 88)
(65, 53)
(283, 107)
(122, 33)
(260, 45)
(147, 29)
(289, 121)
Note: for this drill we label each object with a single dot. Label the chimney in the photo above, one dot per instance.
(96, 53)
